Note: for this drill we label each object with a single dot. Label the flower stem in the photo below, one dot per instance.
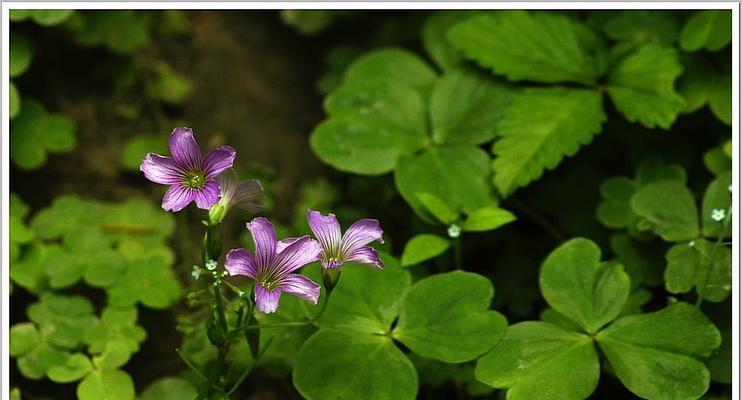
(712, 256)
(457, 252)
(285, 324)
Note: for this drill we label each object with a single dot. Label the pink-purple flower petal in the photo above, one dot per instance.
(184, 149)
(162, 170)
(264, 236)
(218, 160)
(247, 193)
(282, 244)
(177, 198)
(326, 229)
(241, 262)
(361, 234)
(267, 300)
(207, 196)
(296, 255)
(367, 256)
(300, 286)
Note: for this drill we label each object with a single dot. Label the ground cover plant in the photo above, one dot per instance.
(370, 204)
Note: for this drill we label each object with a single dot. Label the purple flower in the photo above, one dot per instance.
(352, 247)
(191, 177)
(273, 265)
(240, 194)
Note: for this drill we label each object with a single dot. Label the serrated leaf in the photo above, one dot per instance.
(541, 361)
(423, 247)
(447, 317)
(106, 384)
(575, 283)
(363, 366)
(653, 354)
(641, 86)
(466, 106)
(524, 45)
(707, 29)
(717, 197)
(486, 219)
(540, 127)
(458, 175)
(669, 208)
(77, 366)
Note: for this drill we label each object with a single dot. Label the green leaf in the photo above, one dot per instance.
(704, 265)
(14, 100)
(643, 262)
(437, 207)
(77, 366)
(669, 208)
(168, 85)
(615, 209)
(716, 161)
(279, 358)
(575, 283)
(541, 361)
(653, 354)
(35, 364)
(435, 41)
(367, 299)
(308, 22)
(36, 132)
(21, 54)
(522, 45)
(486, 219)
(394, 64)
(62, 319)
(707, 29)
(363, 366)
(642, 26)
(458, 175)
(641, 86)
(62, 267)
(27, 271)
(50, 17)
(683, 268)
(423, 247)
(66, 214)
(106, 384)
(138, 218)
(23, 338)
(150, 281)
(137, 148)
(169, 388)
(466, 106)
(720, 364)
(446, 317)
(717, 197)
(720, 99)
(539, 128)
(123, 31)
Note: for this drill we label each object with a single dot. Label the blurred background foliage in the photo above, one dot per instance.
(99, 272)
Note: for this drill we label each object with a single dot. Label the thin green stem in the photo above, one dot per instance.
(192, 366)
(711, 258)
(539, 219)
(457, 252)
(248, 370)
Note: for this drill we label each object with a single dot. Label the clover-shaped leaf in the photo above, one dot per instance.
(36, 133)
(75, 368)
(62, 319)
(669, 208)
(106, 384)
(169, 388)
(707, 29)
(41, 17)
(717, 197)
(703, 265)
(446, 317)
(148, 280)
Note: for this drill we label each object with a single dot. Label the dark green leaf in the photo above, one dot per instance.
(669, 208)
(708, 29)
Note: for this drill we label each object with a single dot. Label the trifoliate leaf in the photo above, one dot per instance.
(77, 366)
(615, 209)
(541, 361)
(62, 319)
(393, 64)
(575, 283)
(23, 338)
(486, 219)
(446, 317)
(62, 267)
(525, 45)
(423, 247)
(707, 29)
(642, 26)
(115, 355)
(36, 132)
(435, 41)
(669, 208)
(27, 270)
(363, 366)
(150, 281)
(169, 388)
(122, 31)
(106, 384)
(66, 214)
(36, 363)
(437, 207)
(641, 86)
(717, 197)
(654, 169)
(653, 354)
(703, 265)
(466, 106)
(539, 128)
(137, 148)
(458, 175)
(21, 54)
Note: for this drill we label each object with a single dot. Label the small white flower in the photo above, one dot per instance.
(454, 231)
(730, 188)
(718, 214)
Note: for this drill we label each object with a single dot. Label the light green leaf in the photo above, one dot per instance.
(106, 384)
(575, 283)
(486, 219)
(373, 122)
(523, 45)
(62, 319)
(642, 26)
(116, 354)
(308, 22)
(148, 280)
(23, 338)
(653, 354)
(27, 271)
(138, 218)
(36, 363)
(103, 268)
(21, 54)
(366, 299)
(704, 265)
(707, 29)
(435, 41)
(717, 197)
(14, 100)
(50, 17)
(615, 209)
(137, 148)
(437, 207)
(458, 175)
(720, 99)
(446, 317)
(423, 247)
(77, 366)
(394, 64)
(169, 388)
(541, 361)
(669, 208)
(539, 128)
(168, 85)
(641, 86)
(62, 267)
(466, 106)
(363, 366)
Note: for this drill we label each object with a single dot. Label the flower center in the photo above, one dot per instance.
(195, 180)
